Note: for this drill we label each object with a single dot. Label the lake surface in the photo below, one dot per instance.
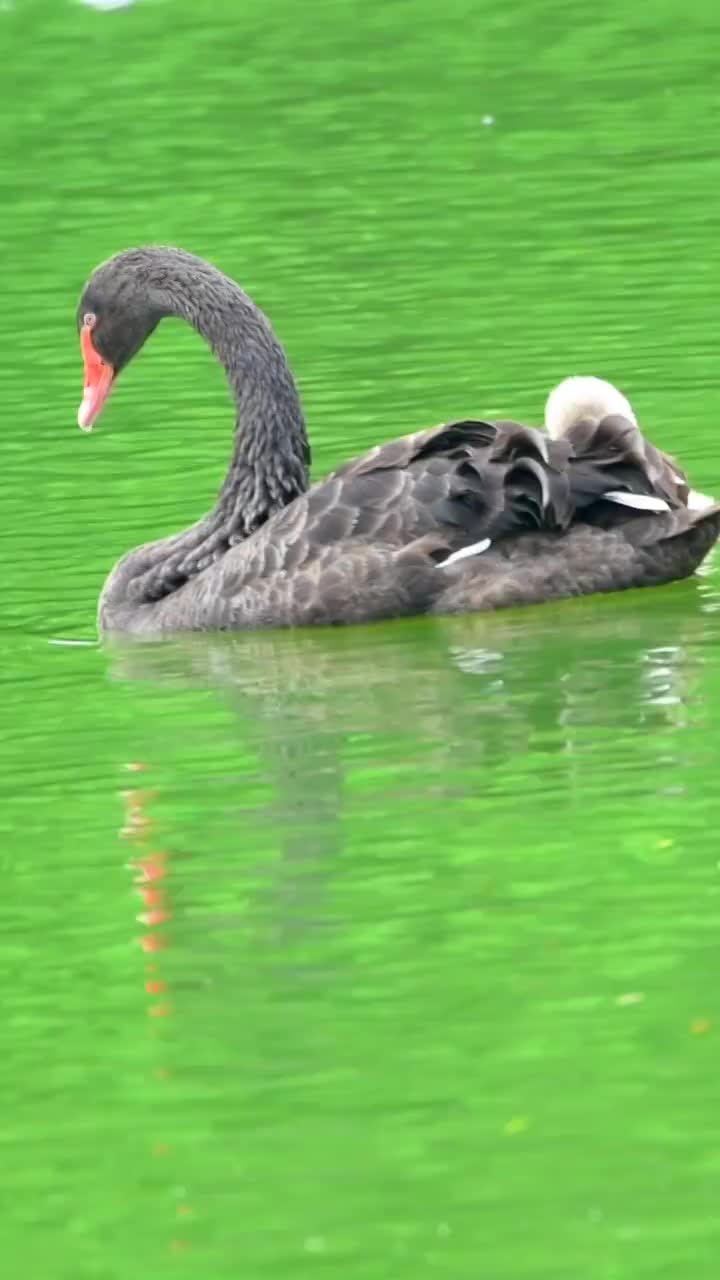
(386, 953)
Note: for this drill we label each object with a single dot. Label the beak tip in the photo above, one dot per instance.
(87, 413)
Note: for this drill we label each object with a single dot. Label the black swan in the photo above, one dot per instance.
(467, 516)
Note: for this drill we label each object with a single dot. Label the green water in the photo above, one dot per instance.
(388, 953)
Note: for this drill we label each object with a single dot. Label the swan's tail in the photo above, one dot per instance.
(584, 400)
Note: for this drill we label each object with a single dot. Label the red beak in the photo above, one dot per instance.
(98, 381)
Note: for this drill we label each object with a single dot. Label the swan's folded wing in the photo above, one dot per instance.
(469, 479)
(434, 441)
(463, 482)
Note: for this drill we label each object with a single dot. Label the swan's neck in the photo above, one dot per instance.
(271, 455)
(270, 460)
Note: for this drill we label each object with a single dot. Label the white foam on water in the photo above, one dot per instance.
(84, 644)
(107, 4)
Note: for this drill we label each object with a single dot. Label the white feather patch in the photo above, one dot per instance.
(639, 501)
(584, 400)
(699, 501)
(475, 549)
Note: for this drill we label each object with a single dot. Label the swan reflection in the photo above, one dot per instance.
(490, 683)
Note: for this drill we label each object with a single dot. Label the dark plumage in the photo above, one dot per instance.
(467, 516)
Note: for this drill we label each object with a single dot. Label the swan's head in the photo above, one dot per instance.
(114, 318)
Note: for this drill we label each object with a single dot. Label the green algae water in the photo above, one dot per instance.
(387, 953)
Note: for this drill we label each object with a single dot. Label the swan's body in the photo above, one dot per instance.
(467, 516)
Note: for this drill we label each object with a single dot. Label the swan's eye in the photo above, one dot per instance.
(89, 319)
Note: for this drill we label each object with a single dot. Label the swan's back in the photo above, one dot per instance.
(466, 516)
